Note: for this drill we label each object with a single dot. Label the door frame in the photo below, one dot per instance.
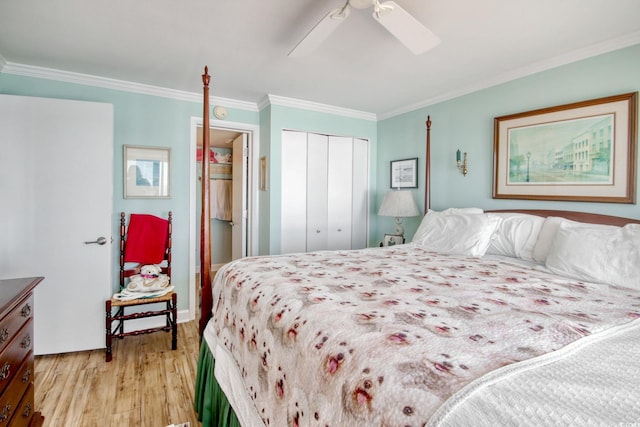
(253, 134)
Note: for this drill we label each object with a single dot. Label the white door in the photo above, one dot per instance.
(239, 197)
(56, 185)
(360, 190)
(293, 216)
(339, 192)
(317, 151)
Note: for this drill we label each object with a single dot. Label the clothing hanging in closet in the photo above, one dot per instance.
(220, 199)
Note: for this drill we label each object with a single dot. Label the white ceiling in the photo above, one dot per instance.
(166, 43)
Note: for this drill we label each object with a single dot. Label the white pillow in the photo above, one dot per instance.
(597, 253)
(545, 237)
(516, 235)
(460, 234)
(462, 211)
(422, 229)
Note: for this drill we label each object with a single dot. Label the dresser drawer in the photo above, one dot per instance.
(13, 355)
(12, 322)
(13, 395)
(24, 412)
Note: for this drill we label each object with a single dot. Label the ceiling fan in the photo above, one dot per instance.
(415, 36)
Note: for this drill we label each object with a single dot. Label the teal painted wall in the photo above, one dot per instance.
(303, 120)
(140, 120)
(466, 123)
(264, 202)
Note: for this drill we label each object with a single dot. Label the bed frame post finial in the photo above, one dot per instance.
(206, 78)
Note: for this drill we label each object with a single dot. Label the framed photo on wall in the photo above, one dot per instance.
(263, 174)
(404, 173)
(146, 172)
(585, 151)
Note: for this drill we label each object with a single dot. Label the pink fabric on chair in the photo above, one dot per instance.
(146, 239)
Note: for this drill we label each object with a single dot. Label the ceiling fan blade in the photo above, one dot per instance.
(406, 28)
(320, 32)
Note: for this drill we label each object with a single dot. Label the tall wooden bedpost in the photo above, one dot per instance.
(427, 173)
(206, 301)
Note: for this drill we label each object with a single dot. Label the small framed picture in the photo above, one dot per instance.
(146, 172)
(392, 240)
(263, 174)
(404, 173)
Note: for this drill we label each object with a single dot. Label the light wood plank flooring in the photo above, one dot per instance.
(146, 384)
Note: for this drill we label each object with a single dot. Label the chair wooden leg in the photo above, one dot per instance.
(174, 331)
(120, 327)
(108, 331)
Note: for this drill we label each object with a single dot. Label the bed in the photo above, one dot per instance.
(485, 318)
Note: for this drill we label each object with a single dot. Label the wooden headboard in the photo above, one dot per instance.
(206, 299)
(591, 218)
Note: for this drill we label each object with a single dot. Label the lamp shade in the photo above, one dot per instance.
(398, 203)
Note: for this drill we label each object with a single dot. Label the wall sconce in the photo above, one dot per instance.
(462, 165)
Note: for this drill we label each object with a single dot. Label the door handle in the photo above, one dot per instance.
(100, 240)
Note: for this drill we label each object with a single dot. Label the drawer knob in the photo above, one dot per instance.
(26, 310)
(26, 341)
(4, 415)
(26, 376)
(4, 372)
(27, 411)
(4, 334)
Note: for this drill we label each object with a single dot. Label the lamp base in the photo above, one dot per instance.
(399, 228)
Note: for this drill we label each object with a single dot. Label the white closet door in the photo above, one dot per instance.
(339, 194)
(293, 212)
(360, 191)
(317, 186)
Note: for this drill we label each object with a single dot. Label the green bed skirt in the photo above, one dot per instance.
(211, 404)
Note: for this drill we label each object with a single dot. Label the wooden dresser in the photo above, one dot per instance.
(16, 353)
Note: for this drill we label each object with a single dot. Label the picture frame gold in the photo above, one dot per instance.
(584, 151)
(263, 174)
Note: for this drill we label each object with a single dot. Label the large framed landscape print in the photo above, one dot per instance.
(585, 151)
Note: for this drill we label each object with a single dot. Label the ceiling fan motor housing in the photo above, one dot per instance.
(361, 4)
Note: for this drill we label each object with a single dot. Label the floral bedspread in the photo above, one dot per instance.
(383, 336)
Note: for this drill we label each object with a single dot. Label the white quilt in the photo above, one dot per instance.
(592, 382)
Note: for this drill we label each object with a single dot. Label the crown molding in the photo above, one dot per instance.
(107, 83)
(314, 106)
(557, 61)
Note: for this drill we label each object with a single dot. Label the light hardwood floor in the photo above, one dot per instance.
(146, 384)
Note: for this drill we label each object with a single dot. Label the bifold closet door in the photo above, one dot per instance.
(293, 212)
(325, 201)
(317, 191)
(360, 194)
(339, 192)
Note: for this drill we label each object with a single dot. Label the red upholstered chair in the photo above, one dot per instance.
(147, 240)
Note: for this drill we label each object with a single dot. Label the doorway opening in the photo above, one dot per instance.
(233, 196)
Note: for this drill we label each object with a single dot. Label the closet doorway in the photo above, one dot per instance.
(233, 198)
